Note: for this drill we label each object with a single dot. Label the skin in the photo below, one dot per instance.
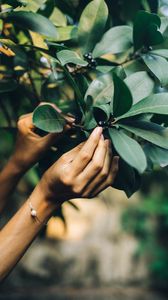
(82, 172)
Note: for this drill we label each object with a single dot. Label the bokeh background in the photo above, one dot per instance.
(107, 248)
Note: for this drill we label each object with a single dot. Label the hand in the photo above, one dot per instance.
(82, 172)
(30, 147)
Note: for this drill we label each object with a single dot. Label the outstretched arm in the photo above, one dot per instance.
(82, 172)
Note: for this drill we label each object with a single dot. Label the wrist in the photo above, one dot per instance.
(15, 167)
(20, 163)
(41, 203)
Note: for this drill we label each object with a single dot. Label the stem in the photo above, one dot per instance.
(34, 89)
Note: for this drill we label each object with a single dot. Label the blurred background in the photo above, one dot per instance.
(108, 248)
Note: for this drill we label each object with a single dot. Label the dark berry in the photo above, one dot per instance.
(102, 123)
(90, 57)
(85, 55)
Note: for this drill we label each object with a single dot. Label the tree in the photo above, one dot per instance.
(106, 69)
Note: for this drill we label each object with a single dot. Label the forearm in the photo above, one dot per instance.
(9, 178)
(21, 230)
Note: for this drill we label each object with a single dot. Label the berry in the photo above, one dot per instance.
(85, 55)
(102, 123)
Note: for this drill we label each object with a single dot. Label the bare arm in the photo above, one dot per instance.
(21, 230)
(82, 172)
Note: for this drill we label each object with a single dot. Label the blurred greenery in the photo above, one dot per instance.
(147, 220)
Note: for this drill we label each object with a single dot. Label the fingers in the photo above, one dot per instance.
(70, 155)
(87, 151)
(95, 166)
(104, 172)
(25, 123)
(110, 178)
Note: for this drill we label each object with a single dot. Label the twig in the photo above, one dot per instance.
(34, 89)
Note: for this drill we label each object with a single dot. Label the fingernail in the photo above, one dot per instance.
(97, 131)
(102, 137)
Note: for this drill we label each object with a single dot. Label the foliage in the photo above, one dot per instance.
(105, 69)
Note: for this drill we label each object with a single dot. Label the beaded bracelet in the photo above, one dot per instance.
(33, 213)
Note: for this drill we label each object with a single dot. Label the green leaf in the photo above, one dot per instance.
(149, 131)
(68, 56)
(82, 83)
(158, 67)
(47, 118)
(58, 18)
(33, 21)
(157, 155)
(145, 30)
(14, 4)
(154, 35)
(116, 40)
(160, 52)
(104, 65)
(47, 8)
(92, 24)
(32, 5)
(79, 98)
(140, 85)
(66, 33)
(8, 86)
(101, 112)
(129, 150)
(122, 100)
(101, 89)
(157, 103)
(127, 179)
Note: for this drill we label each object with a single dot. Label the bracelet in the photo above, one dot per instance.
(33, 213)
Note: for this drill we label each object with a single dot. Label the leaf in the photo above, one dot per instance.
(47, 118)
(33, 21)
(157, 103)
(79, 98)
(47, 8)
(158, 66)
(127, 179)
(129, 150)
(154, 35)
(160, 52)
(145, 30)
(122, 100)
(92, 24)
(101, 89)
(104, 65)
(68, 56)
(149, 131)
(14, 4)
(8, 86)
(32, 5)
(58, 18)
(157, 155)
(82, 83)
(116, 40)
(101, 112)
(140, 85)
(66, 33)
(154, 5)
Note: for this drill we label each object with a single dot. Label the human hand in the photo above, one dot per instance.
(30, 147)
(82, 172)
